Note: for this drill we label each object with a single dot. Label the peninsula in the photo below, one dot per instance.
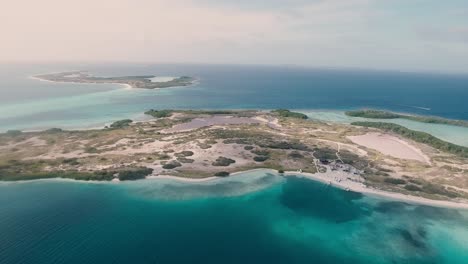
(380, 114)
(201, 145)
(144, 81)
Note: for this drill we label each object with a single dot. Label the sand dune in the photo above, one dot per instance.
(390, 145)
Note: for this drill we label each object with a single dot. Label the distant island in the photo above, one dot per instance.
(143, 82)
(195, 145)
(380, 114)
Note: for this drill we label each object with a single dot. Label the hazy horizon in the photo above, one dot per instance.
(416, 36)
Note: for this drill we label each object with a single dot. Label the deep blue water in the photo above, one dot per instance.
(290, 220)
(31, 104)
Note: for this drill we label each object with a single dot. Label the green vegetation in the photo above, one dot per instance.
(134, 173)
(159, 113)
(13, 132)
(222, 174)
(15, 170)
(185, 160)
(260, 158)
(295, 155)
(54, 130)
(394, 181)
(260, 152)
(223, 161)
(171, 165)
(185, 153)
(418, 136)
(379, 114)
(325, 154)
(373, 114)
(287, 113)
(121, 123)
(143, 81)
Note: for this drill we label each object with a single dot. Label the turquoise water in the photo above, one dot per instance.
(31, 104)
(251, 218)
(454, 134)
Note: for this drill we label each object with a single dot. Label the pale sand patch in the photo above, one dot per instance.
(210, 121)
(390, 145)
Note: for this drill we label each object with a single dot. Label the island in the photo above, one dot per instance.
(380, 114)
(198, 145)
(144, 81)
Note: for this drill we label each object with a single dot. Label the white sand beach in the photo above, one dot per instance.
(390, 145)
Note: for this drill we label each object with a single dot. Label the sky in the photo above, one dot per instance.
(405, 35)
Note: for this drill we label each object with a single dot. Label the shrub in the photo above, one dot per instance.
(185, 160)
(222, 174)
(296, 155)
(248, 147)
(185, 153)
(394, 181)
(159, 113)
(260, 152)
(287, 113)
(260, 158)
(14, 132)
(223, 161)
(171, 165)
(121, 123)
(134, 174)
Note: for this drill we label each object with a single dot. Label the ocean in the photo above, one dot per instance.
(255, 217)
(30, 104)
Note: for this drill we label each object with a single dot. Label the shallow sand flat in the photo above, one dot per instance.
(390, 145)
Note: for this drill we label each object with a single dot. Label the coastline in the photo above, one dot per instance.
(194, 81)
(326, 178)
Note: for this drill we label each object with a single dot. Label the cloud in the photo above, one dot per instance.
(351, 33)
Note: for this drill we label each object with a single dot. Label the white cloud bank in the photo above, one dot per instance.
(331, 33)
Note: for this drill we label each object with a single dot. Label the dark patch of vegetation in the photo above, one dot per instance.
(260, 152)
(72, 161)
(281, 171)
(325, 154)
(121, 123)
(185, 153)
(288, 113)
(222, 174)
(159, 113)
(283, 145)
(91, 150)
(16, 170)
(390, 115)
(413, 188)
(249, 147)
(418, 136)
(295, 155)
(54, 130)
(394, 181)
(134, 173)
(260, 158)
(223, 161)
(372, 114)
(185, 160)
(13, 132)
(171, 165)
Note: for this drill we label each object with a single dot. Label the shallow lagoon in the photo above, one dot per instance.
(257, 217)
